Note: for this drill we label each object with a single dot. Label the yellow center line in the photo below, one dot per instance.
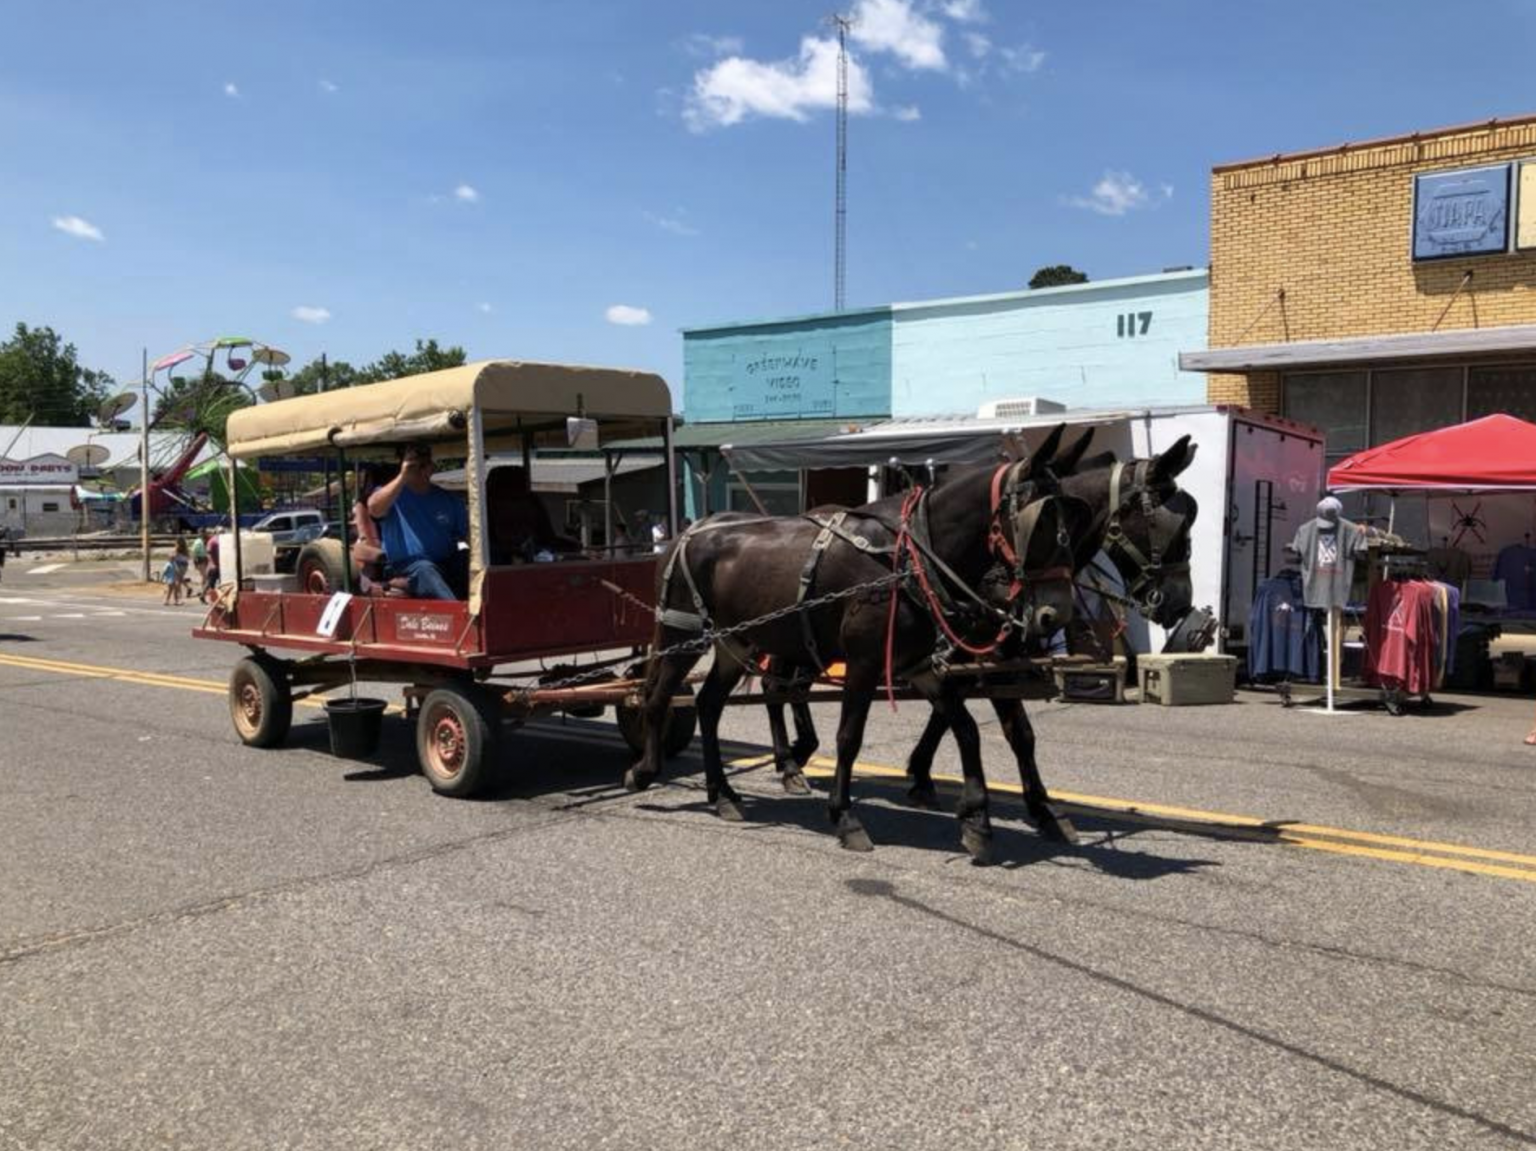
(1314, 837)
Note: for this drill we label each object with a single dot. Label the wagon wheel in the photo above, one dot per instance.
(681, 723)
(319, 567)
(457, 733)
(259, 702)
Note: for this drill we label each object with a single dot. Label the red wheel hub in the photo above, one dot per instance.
(447, 745)
(250, 704)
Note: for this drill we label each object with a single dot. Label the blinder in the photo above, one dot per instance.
(1151, 571)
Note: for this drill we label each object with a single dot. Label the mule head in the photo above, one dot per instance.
(1045, 531)
(1148, 538)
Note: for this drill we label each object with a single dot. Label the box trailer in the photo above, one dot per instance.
(1257, 478)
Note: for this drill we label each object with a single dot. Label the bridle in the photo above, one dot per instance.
(1151, 570)
(1023, 516)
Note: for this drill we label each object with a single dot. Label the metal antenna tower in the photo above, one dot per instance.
(840, 212)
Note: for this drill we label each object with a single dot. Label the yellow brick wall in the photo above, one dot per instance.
(1333, 232)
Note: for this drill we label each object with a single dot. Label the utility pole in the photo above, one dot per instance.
(144, 462)
(840, 212)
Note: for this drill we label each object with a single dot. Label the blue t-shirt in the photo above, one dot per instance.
(426, 526)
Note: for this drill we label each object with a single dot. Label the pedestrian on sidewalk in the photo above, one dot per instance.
(200, 564)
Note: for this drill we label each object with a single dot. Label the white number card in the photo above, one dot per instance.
(332, 614)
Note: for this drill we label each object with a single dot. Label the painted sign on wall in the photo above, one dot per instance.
(777, 382)
(1462, 213)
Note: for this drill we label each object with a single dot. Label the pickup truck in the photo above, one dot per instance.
(290, 531)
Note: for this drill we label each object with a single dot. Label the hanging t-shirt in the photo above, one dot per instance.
(1516, 566)
(1328, 560)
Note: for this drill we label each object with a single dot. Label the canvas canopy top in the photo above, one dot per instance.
(511, 397)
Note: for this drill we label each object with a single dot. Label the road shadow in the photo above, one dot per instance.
(7, 637)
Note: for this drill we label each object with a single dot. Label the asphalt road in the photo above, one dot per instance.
(1309, 931)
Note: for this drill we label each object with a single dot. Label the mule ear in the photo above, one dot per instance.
(1067, 460)
(1046, 452)
(1173, 461)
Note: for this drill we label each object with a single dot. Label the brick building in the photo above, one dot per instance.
(1377, 289)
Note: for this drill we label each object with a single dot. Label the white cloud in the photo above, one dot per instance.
(310, 314)
(909, 114)
(706, 47)
(484, 308)
(1115, 194)
(964, 11)
(231, 91)
(627, 315)
(1024, 58)
(466, 194)
(894, 26)
(737, 88)
(675, 223)
(329, 86)
(977, 43)
(80, 229)
(1167, 191)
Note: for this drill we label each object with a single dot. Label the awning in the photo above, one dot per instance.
(1362, 349)
(702, 436)
(1495, 453)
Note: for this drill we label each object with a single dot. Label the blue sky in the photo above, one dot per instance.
(579, 180)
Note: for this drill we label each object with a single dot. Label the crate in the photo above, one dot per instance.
(1095, 683)
(1182, 680)
(273, 581)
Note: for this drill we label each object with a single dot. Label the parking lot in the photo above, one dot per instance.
(1280, 929)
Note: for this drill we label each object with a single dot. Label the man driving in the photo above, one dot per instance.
(421, 525)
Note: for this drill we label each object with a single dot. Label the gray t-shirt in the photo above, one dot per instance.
(1328, 560)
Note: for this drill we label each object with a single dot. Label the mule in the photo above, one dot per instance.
(1141, 520)
(723, 573)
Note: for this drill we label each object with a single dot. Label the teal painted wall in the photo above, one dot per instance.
(1088, 346)
(818, 366)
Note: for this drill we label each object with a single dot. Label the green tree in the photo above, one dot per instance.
(41, 377)
(429, 356)
(1055, 275)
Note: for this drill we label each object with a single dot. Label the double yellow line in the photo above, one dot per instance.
(1314, 837)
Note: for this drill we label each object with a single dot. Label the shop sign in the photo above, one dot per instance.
(45, 469)
(1462, 213)
(776, 383)
(1525, 212)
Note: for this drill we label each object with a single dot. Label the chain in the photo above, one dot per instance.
(710, 636)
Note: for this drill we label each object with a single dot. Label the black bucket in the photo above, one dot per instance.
(355, 725)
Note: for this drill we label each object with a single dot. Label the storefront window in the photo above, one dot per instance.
(1406, 401)
(1511, 390)
(1332, 401)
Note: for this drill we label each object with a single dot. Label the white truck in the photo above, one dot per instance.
(1257, 479)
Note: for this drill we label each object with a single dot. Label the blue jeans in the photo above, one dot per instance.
(427, 581)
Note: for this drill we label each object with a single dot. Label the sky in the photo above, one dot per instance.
(580, 180)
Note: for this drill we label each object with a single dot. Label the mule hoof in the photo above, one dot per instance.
(1055, 826)
(795, 783)
(637, 781)
(925, 795)
(978, 842)
(729, 809)
(855, 839)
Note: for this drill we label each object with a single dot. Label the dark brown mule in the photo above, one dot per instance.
(737, 570)
(1141, 520)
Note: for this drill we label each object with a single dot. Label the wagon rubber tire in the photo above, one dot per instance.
(457, 733)
(259, 702)
(320, 568)
(681, 723)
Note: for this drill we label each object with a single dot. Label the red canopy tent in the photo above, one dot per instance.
(1495, 453)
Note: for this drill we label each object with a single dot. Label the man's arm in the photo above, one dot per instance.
(383, 497)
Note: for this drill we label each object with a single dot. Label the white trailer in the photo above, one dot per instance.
(1257, 478)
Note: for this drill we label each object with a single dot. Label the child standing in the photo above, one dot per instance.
(175, 574)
